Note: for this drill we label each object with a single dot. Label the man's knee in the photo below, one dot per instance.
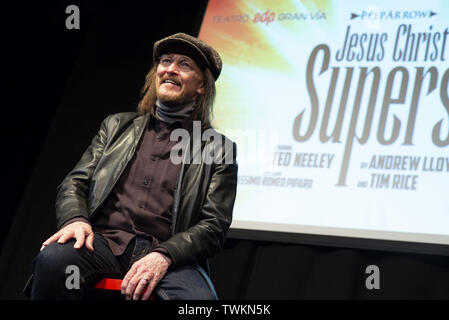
(55, 258)
(52, 273)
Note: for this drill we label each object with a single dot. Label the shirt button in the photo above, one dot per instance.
(146, 182)
(154, 158)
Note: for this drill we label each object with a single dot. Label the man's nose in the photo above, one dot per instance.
(173, 67)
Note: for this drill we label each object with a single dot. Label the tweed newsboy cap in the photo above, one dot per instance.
(207, 55)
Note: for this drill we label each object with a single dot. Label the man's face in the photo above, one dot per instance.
(178, 79)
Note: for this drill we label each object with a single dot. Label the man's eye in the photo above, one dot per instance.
(165, 61)
(186, 65)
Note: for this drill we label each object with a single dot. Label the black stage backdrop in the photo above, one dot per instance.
(60, 85)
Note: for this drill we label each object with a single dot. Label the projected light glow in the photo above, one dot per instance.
(340, 111)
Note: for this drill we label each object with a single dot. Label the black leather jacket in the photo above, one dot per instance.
(203, 198)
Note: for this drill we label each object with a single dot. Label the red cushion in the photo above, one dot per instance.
(113, 284)
(109, 284)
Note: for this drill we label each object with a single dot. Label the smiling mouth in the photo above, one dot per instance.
(172, 82)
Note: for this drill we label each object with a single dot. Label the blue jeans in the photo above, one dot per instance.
(49, 270)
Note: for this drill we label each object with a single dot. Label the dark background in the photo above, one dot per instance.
(60, 85)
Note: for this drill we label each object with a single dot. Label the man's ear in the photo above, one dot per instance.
(201, 89)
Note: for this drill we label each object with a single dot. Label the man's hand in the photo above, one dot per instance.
(79, 230)
(144, 275)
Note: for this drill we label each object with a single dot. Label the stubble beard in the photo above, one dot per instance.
(173, 99)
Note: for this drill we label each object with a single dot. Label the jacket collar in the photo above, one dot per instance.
(140, 124)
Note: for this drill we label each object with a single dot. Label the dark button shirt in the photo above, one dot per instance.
(140, 202)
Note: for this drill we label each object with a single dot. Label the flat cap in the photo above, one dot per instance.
(202, 53)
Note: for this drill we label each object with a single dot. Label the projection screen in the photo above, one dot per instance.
(340, 112)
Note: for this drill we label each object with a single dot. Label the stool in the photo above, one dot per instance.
(107, 289)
